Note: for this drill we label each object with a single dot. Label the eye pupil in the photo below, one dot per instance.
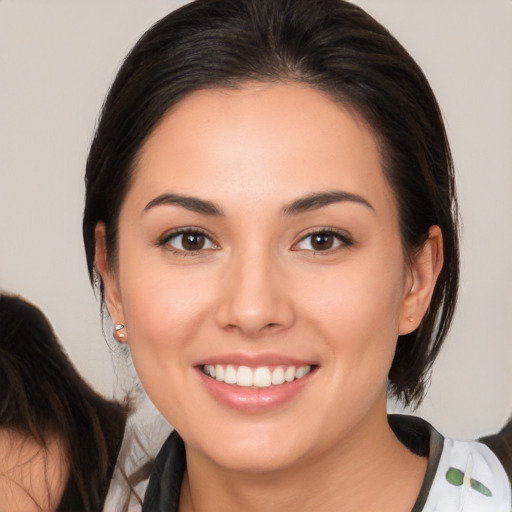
(193, 241)
(322, 241)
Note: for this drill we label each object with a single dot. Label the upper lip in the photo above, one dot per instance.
(254, 360)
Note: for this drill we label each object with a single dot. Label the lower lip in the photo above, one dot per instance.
(254, 400)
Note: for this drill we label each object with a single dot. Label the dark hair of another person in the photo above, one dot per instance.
(501, 445)
(331, 46)
(43, 397)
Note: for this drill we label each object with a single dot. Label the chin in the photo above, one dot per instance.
(256, 460)
(254, 450)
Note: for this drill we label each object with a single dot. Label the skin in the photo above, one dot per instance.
(258, 288)
(32, 479)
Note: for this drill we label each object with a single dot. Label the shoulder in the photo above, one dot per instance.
(461, 475)
(32, 476)
(501, 445)
(469, 477)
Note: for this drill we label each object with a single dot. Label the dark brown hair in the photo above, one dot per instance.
(501, 445)
(43, 397)
(329, 45)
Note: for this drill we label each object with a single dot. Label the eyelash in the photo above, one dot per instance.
(343, 241)
(166, 239)
(340, 241)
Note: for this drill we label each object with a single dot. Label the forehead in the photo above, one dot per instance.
(260, 142)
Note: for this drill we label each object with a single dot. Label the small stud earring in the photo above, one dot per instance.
(411, 319)
(119, 336)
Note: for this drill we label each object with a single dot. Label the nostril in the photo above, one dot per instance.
(253, 313)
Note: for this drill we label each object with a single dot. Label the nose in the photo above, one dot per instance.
(254, 299)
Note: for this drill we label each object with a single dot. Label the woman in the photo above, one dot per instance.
(270, 211)
(59, 439)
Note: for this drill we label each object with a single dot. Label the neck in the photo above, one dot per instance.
(371, 470)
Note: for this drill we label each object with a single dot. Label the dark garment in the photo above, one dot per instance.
(163, 491)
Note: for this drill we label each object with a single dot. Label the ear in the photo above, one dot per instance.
(425, 267)
(110, 283)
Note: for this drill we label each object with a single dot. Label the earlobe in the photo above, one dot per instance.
(425, 268)
(110, 285)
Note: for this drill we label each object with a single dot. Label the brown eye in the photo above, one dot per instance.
(322, 241)
(193, 241)
(188, 242)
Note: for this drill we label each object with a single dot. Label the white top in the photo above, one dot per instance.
(469, 478)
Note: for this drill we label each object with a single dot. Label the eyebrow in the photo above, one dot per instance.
(321, 199)
(301, 205)
(189, 203)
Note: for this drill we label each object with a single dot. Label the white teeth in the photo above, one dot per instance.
(278, 376)
(261, 377)
(301, 372)
(244, 376)
(289, 374)
(230, 375)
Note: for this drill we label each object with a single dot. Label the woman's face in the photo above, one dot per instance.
(260, 238)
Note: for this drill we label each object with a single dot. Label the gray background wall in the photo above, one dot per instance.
(57, 59)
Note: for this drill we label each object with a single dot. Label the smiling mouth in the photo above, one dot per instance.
(260, 377)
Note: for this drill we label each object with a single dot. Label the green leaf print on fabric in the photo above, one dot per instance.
(455, 477)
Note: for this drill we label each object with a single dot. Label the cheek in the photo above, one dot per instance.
(357, 297)
(164, 307)
(163, 315)
(357, 309)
